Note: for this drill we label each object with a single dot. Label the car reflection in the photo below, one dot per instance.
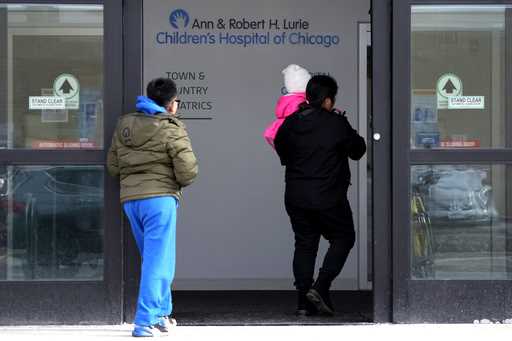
(456, 194)
(52, 221)
(459, 222)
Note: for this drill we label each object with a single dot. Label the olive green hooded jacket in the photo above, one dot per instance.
(152, 156)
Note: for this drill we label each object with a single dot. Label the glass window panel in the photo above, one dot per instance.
(459, 221)
(51, 67)
(51, 223)
(458, 85)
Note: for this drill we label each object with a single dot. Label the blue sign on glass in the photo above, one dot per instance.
(427, 140)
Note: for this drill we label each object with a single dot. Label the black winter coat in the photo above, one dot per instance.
(314, 145)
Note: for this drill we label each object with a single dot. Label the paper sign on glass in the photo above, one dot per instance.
(46, 102)
(466, 102)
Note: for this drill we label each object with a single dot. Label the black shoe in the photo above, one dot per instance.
(301, 312)
(304, 307)
(321, 301)
(312, 311)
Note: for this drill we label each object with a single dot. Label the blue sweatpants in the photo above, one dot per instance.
(153, 223)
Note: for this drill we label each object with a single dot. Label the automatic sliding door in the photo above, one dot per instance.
(452, 217)
(55, 197)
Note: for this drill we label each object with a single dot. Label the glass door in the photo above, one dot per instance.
(56, 199)
(452, 85)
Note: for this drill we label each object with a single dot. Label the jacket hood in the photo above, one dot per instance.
(148, 106)
(288, 104)
(136, 129)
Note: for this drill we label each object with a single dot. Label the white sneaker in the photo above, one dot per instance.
(166, 324)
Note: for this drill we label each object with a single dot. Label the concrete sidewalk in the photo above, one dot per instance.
(459, 332)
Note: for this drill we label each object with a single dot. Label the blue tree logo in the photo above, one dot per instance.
(179, 19)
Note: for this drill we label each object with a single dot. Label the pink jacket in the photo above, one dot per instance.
(286, 105)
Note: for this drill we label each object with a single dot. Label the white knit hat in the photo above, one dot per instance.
(296, 78)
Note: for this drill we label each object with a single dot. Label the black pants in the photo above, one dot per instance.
(334, 224)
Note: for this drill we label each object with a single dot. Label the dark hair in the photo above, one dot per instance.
(162, 91)
(318, 89)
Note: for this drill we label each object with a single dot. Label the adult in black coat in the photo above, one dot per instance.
(314, 144)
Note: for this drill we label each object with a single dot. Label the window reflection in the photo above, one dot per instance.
(458, 84)
(52, 51)
(51, 223)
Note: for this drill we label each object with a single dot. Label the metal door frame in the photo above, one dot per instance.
(364, 273)
(381, 13)
(132, 57)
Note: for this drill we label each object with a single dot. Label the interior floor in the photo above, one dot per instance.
(265, 308)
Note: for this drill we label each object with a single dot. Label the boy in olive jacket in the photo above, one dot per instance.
(152, 155)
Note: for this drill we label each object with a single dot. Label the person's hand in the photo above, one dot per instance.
(351, 130)
(343, 114)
